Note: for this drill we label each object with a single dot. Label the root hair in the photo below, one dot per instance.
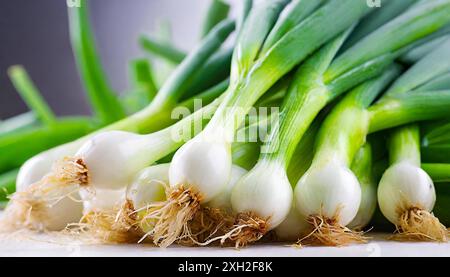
(420, 225)
(328, 232)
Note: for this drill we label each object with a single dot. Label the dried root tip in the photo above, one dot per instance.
(24, 212)
(31, 209)
(70, 171)
(207, 224)
(420, 225)
(171, 218)
(247, 228)
(328, 232)
(113, 226)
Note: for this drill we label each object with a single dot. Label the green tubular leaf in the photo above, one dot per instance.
(104, 101)
(388, 11)
(419, 21)
(8, 184)
(18, 123)
(412, 107)
(217, 11)
(184, 74)
(31, 95)
(418, 53)
(432, 65)
(404, 145)
(293, 13)
(17, 147)
(257, 26)
(162, 49)
(439, 173)
(214, 71)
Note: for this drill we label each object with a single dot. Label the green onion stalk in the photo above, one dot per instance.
(406, 193)
(322, 78)
(201, 168)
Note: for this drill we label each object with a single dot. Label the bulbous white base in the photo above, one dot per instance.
(402, 187)
(264, 191)
(204, 166)
(329, 190)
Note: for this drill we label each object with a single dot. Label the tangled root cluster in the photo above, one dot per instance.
(28, 209)
(119, 225)
(328, 232)
(171, 218)
(420, 225)
(239, 231)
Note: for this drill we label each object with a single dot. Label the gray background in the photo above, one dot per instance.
(34, 33)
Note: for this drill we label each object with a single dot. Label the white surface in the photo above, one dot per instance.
(45, 245)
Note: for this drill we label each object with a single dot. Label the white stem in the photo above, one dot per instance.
(113, 158)
(330, 190)
(265, 191)
(203, 164)
(402, 187)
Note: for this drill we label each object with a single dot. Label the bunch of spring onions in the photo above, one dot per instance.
(356, 123)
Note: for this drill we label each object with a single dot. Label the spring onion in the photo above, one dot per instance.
(406, 194)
